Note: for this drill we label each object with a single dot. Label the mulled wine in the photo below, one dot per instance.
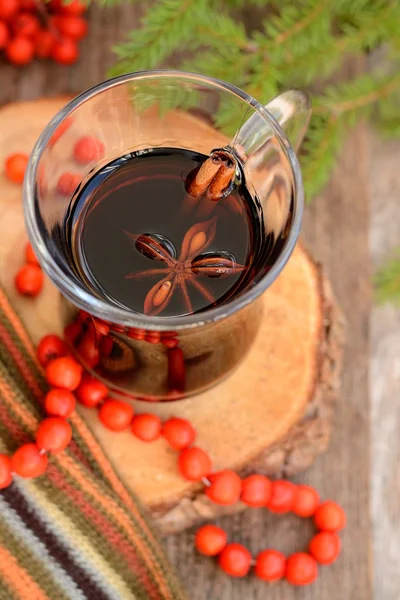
(160, 246)
(166, 231)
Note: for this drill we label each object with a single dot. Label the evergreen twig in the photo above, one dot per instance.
(299, 44)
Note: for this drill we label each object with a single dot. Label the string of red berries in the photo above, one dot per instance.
(69, 383)
(36, 29)
(300, 568)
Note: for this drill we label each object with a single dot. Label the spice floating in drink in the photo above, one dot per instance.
(185, 270)
(215, 178)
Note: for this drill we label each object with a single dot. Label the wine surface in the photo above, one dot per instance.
(140, 240)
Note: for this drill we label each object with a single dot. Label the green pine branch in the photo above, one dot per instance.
(360, 94)
(366, 31)
(219, 30)
(324, 139)
(166, 26)
(298, 27)
(298, 43)
(334, 112)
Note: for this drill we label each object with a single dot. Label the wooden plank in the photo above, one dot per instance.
(385, 379)
(336, 229)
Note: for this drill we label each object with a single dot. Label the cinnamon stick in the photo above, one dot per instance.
(215, 178)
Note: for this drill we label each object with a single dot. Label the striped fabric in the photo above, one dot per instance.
(75, 533)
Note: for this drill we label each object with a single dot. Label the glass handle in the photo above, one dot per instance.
(291, 109)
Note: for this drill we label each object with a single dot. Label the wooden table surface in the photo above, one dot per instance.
(385, 373)
(336, 230)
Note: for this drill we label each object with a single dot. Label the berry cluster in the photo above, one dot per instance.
(34, 28)
(300, 568)
(69, 383)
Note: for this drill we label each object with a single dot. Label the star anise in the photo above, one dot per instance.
(184, 270)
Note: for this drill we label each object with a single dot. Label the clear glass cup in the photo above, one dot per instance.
(166, 358)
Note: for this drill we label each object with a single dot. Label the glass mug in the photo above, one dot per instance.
(158, 358)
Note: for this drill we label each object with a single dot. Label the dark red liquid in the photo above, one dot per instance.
(145, 193)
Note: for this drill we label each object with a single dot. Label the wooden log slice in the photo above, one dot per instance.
(273, 415)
